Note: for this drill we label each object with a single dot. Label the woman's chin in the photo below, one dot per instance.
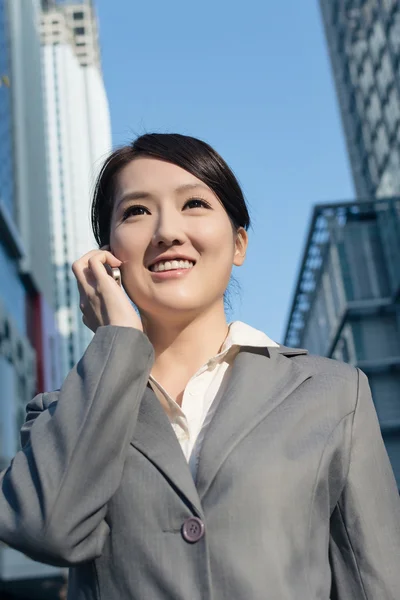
(174, 310)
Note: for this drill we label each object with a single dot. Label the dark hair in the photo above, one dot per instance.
(189, 153)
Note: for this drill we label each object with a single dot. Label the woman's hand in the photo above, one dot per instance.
(102, 300)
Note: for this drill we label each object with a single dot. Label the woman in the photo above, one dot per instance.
(184, 459)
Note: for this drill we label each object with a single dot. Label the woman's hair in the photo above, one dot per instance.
(189, 153)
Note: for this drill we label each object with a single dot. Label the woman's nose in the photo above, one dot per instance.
(168, 231)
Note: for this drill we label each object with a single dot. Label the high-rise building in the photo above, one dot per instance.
(78, 139)
(364, 45)
(347, 300)
(28, 338)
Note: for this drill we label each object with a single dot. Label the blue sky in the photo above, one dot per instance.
(255, 82)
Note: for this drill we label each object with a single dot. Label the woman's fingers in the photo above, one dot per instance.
(94, 262)
(102, 264)
(102, 301)
(103, 255)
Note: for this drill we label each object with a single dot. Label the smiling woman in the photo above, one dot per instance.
(185, 457)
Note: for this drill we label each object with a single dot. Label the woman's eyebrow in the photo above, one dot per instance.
(191, 186)
(133, 196)
(142, 195)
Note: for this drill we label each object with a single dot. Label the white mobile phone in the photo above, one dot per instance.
(116, 274)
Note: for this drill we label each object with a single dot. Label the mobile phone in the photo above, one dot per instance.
(116, 274)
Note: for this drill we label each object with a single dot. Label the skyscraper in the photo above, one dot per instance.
(13, 326)
(28, 336)
(78, 138)
(346, 303)
(364, 45)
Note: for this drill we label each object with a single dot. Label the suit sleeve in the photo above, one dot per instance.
(34, 408)
(54, 494)
(365, 526)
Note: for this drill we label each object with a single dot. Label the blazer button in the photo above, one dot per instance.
(193, 530)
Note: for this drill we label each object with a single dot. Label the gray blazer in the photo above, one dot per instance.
(295, 498)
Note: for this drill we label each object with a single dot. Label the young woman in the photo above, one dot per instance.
(183, 458)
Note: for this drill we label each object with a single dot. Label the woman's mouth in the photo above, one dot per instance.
(170, 269)
(171, 265)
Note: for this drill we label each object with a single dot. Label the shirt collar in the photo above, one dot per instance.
(241, 334)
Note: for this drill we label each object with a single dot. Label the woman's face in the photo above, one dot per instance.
(175, 238)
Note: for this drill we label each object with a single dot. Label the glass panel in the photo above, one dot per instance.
(372, 168)
(387, 5)
(366, 134)
(392, 110)
(377, 40)
(385, 388)
(390, 179)
(394, 34)
(12, 292)
(366, 78)
(8, 437)
(389, 226)
(385, 75)
(374, 112)
(367, 275)
(381, 144)
(392, 443)
(6, 146)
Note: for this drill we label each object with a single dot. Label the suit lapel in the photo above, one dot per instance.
(258, 383)
(156, 439)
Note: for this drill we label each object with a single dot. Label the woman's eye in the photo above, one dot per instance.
(197, 203)
(133, 211)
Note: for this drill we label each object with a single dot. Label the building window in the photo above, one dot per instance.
(388, 5)
(392, 110)
(366, 77)
(394, 33)
(385, 74)
(79, 31)
(374, 112)
(366, 134)
(377, 41)
(78, 16)
(373, 169)
(381, 145)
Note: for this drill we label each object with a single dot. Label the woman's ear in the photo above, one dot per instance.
(241, 243)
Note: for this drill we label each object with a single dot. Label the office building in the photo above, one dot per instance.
(346, 303)
(78, 140)
(364, 45)
(28, 338)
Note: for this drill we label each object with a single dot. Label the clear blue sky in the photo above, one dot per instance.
(252, 79)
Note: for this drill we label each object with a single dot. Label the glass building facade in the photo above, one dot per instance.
(26, 316)
(347, 300)
(17, 366)
(6, 154)
(364, 45)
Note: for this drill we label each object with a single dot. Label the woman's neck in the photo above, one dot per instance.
(181, 348)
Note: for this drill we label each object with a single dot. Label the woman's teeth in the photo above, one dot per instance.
(170, 265)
